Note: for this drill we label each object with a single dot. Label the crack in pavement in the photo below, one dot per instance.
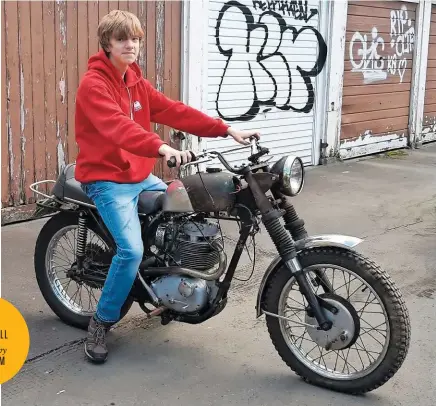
(44, 354)
(387, 230)
(122, 325)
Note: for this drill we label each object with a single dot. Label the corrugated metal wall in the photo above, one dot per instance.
(45, 49)
(429, 121)
(377, 80)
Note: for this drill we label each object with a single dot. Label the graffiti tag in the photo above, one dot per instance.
(296, 8)
(402, 40)
(259, 54)
(371, 64)
(369, 58)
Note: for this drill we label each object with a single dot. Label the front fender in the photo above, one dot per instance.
(326, 240)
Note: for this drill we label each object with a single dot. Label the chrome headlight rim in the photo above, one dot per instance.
(287, 173)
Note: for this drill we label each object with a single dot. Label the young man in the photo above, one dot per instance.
(117, 152)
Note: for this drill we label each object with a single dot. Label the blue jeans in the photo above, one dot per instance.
(117, 204)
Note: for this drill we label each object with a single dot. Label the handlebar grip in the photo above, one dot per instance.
(172, 163)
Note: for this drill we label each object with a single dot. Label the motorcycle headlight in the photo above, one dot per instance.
(291, 172)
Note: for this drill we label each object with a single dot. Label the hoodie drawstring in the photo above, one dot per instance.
(130, 103)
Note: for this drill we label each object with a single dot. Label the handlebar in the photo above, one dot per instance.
(195, 158)
(172, 162)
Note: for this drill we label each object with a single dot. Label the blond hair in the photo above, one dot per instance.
(118, 24)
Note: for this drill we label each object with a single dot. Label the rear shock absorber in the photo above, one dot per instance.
(82, 235)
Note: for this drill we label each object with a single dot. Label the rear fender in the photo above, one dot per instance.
(327, 240)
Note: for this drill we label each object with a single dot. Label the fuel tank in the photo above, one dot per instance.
(201, 192)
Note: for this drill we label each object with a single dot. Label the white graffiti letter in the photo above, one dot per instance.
(371, 63)
(361, 51)
(377, 60)
(394, 20)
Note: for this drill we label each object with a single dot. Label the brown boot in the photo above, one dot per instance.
(95, 344)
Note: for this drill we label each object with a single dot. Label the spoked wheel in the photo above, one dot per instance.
(370, 336)
(72, 299)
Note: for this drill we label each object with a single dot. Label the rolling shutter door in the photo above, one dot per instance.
(263, 59)
(377, 79)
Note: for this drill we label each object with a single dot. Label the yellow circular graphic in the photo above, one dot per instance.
(14, 341)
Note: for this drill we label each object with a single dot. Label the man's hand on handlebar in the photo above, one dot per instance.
(242, 137)
(176, 158)
(180, 157)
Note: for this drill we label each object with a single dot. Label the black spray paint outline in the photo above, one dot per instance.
(306, 75)
(296, 8)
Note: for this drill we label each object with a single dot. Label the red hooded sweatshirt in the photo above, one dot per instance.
(113, 123)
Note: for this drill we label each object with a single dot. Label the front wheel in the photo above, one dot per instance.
(370, 336)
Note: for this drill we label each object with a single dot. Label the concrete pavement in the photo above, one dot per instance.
(229, 360)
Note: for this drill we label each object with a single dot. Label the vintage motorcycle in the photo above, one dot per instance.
(334, 316)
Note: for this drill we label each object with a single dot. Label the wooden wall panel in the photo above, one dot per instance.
(150, 27)
(38, 86)
(5, 125)
(49, 41)
(159, 69)
(61, 84)
(103, 9)
(93, 46)
(132, 6)
(176, 49)
(13, 97)
(72, 75)
(26, 116)
(370, 102)
(375, 115)
(374, 89)
(41, 75)
(82, 37)
(378, 64)
(171, 63)
(142, 15)
(429, 119)
(123, 5)
(150, 73)
(113, 5)
(356, 79)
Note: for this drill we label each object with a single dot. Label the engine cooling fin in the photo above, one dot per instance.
(200, 255)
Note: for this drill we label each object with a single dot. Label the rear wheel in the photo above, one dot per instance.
(72, 300)
(370, 336)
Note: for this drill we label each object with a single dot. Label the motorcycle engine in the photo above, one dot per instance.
(195, 244)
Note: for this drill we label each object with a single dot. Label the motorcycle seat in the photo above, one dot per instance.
(67, 187)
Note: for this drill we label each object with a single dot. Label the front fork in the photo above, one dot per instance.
(286, 247)
(298, 232)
